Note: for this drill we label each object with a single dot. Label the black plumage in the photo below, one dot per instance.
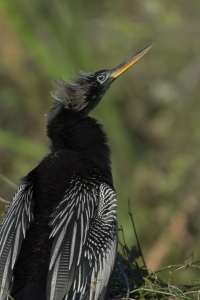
(58, 237)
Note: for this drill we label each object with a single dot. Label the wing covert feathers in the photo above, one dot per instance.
(84, 229)
(13, 229)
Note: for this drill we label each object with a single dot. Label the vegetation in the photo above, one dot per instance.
(151, 113)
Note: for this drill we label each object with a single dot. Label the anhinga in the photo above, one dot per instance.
(58, 237)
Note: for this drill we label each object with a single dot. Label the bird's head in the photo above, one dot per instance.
(84, 93)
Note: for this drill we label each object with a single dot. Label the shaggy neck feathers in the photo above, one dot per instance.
(69, 130)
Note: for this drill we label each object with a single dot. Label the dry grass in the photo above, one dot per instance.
(131, 281)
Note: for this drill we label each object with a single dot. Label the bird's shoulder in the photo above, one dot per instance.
(65, 163)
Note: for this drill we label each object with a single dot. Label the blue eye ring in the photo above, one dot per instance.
(102, 78)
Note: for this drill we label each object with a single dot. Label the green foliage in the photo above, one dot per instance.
(151, 113)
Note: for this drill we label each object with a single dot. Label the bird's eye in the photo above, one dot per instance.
(101, 78)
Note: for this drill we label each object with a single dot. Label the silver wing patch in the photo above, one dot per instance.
(85, 239)
(13, 229)
(105, 233)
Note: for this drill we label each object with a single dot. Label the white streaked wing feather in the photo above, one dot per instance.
(73, 242)
(13, 230)
(75, 224)
(88, 209)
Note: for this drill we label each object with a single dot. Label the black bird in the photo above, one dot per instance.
(58, 237)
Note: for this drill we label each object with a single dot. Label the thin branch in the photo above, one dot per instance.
(170, 267)
(10, 297)
(150, 291)
(4, 201)
(136, 236)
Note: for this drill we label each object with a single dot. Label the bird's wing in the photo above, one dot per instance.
(85, 238)
(13, 229)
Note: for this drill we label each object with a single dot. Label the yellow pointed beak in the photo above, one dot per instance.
(116, 72)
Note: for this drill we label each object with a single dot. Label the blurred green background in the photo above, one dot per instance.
(151, 113)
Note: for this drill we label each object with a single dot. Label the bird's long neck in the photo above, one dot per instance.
(82, 134)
